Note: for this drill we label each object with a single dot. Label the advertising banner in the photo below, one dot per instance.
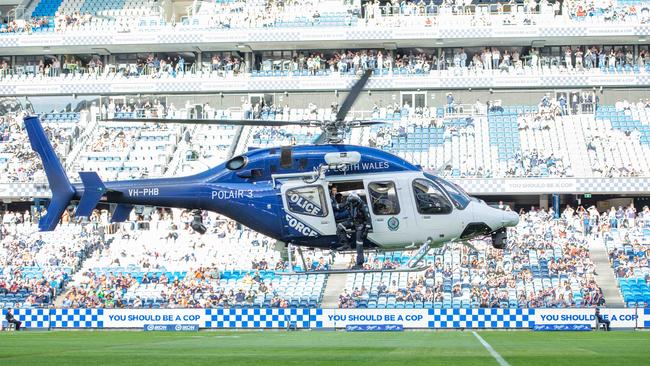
(350, 319)
(644, 317)
(341, 318)
(137, 318)
(537, 185)
(564, 316)
(619, 318)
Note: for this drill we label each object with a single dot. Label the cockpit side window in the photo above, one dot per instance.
(458, 196)
(383, 198)
(429, 199)
(308, 200)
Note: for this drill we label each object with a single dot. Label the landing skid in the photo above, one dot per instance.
(411, 266)
(345, 271)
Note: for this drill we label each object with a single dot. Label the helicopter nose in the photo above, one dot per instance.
(509, 218)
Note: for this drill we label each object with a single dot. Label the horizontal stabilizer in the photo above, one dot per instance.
(121, 213)
(94, 189)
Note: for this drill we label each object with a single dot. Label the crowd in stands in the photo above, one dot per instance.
(138, 266)
(628, 228)
(352, 62)
(546, 264)
(35, 267)
(302, 13)
(156, 260)
(26, 26)
(72, 21)
(23, 164)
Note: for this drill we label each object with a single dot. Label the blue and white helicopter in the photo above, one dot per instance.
(284, 192)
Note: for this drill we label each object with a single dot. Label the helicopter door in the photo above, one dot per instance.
(307, 210)
(432, 209)
(390, 216)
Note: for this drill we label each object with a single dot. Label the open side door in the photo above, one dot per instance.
(391, 212)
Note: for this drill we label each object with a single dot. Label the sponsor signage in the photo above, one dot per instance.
(342, 318)
(134, 87)
(613, 80)
(619, 318)
(171, 328)
(610, 30)
(540, 185)
(38, 88)
(562, 327)
(138, 318)
(375, 328)
(44, 40)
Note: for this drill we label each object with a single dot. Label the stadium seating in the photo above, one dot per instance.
(532, 272)
(36, 268)
(627, 246)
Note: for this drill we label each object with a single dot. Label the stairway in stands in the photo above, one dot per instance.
(335, 282)
(605, 276)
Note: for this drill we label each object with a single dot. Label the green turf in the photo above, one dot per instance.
(321, 348)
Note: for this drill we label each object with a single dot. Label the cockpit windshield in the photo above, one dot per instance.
(457, 194)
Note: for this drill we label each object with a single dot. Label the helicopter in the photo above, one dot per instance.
(284, 192)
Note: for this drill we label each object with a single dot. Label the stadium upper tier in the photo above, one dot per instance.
(72, 25)
(88, 14)
(557, 138)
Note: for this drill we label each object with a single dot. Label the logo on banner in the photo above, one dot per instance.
(374, 328)
(171, 328)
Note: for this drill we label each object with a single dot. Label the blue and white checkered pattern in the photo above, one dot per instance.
(646, 317)
(87, 38)
(292, 35)
(642, 30)
(260, 318)
(563, 31)
(554, 80)
(582, 185)
(31, 318)
(77, 318)
(366, 34)
(481, 318)
(186, 37)
(643, 79)
(24, 190)
(273, 35)
(87, 87)
(466, 32)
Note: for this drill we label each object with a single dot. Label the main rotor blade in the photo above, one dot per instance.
(364, 122)
(357, 88)
(232, 122)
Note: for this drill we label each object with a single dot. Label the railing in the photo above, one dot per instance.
(528, 66)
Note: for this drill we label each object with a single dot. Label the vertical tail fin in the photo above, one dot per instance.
(62, 190)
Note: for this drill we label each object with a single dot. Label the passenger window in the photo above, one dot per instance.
(383, 198)
(307, 201)
(429, 199)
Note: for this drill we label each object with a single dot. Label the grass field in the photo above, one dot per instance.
(322, 348)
